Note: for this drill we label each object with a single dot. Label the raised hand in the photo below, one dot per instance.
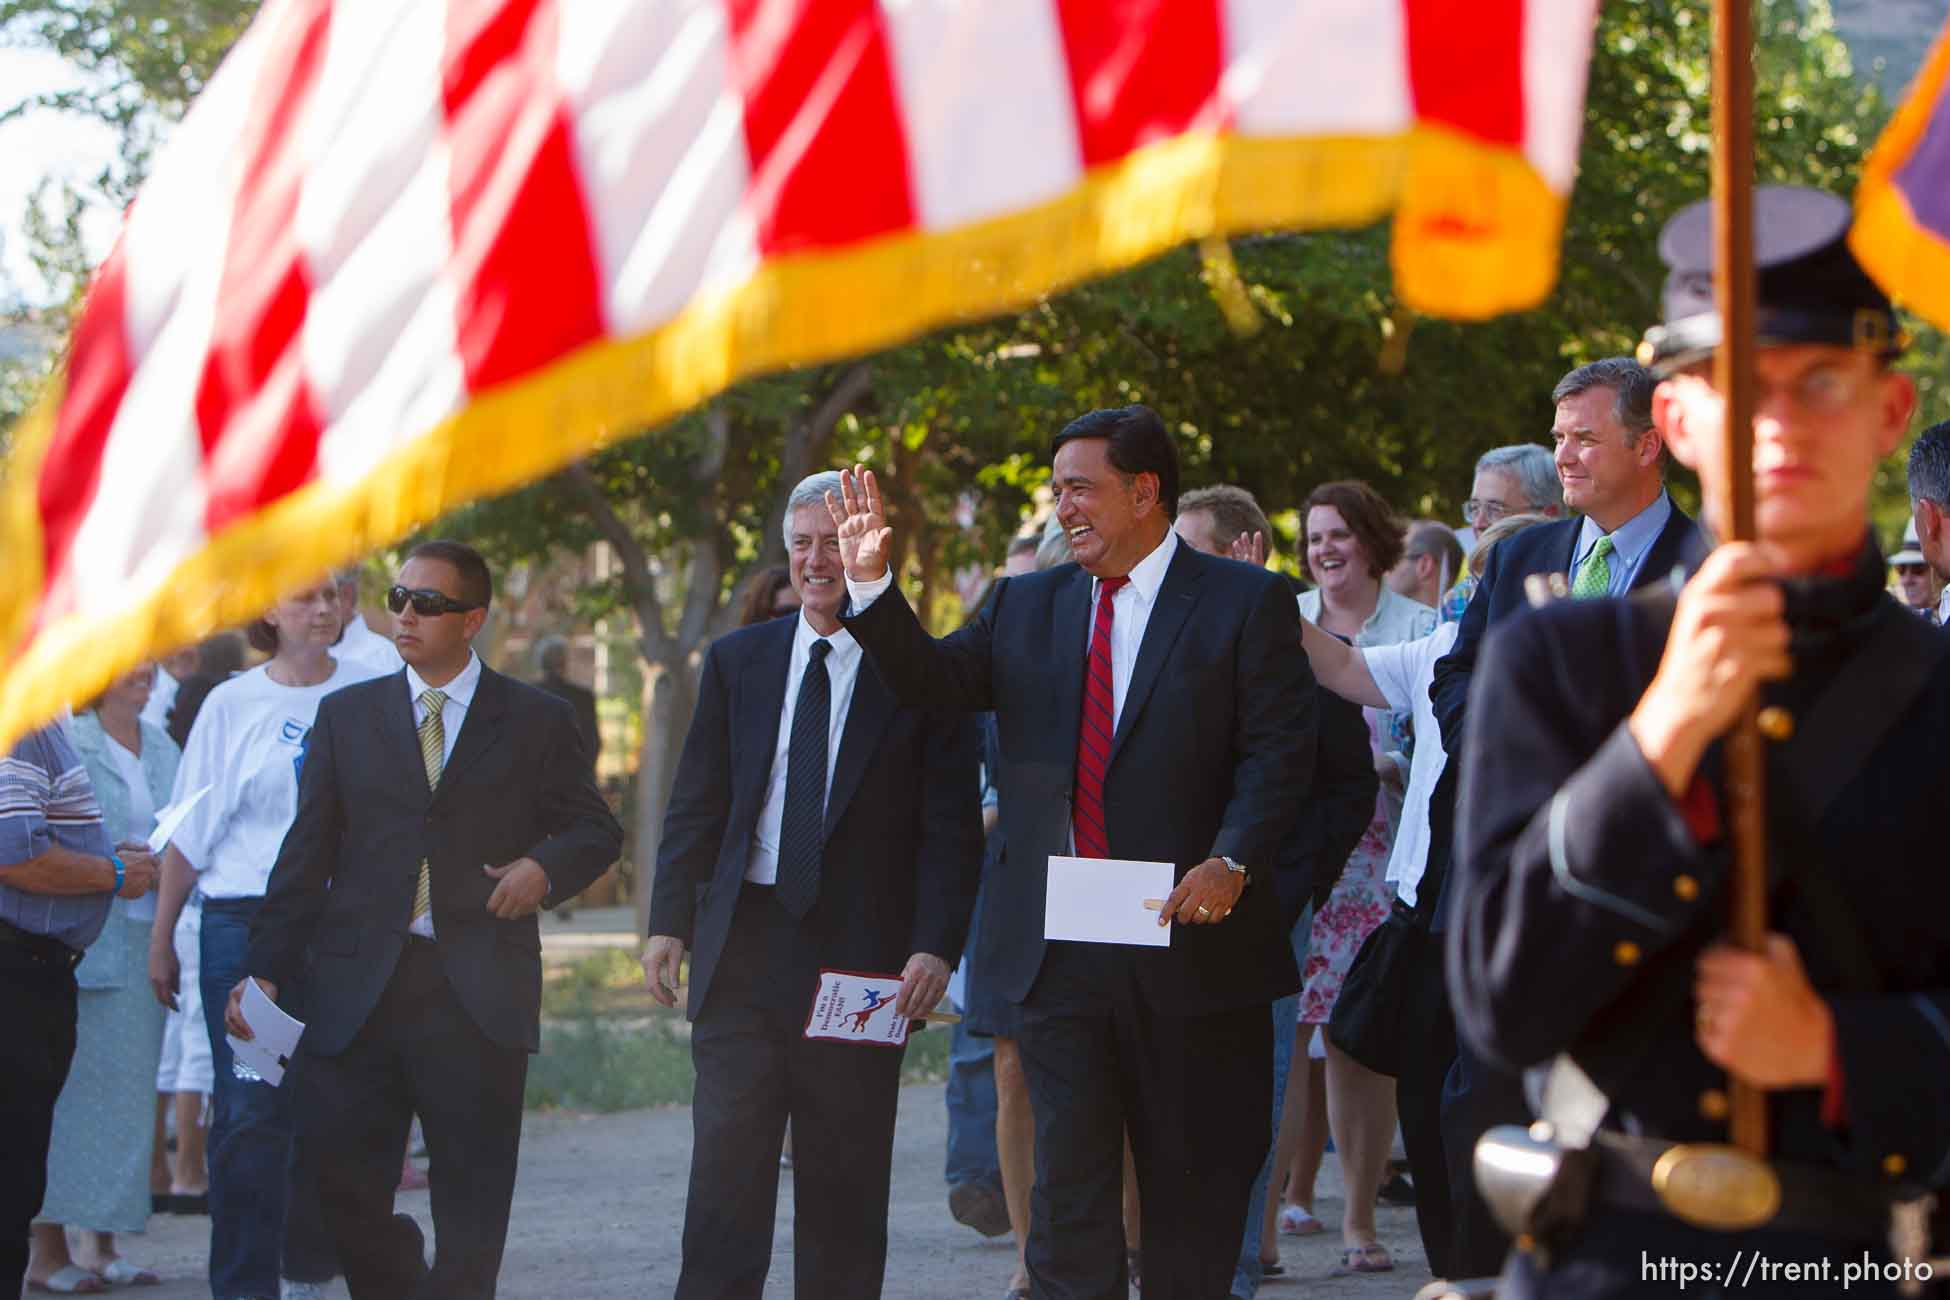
(863, 530)
(1250, 548)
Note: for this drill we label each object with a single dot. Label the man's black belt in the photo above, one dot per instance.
(1819, 1200)
(40, 947)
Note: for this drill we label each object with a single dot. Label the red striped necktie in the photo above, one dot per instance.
(1099, 725)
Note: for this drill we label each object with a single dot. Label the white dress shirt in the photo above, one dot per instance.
(368, 647)
(1403, 672)
(1131, 606)
(453, 713)
(842, 672)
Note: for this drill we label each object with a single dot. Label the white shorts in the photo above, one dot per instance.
(185, 1064)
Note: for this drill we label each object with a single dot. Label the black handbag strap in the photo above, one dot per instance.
(1833, 740)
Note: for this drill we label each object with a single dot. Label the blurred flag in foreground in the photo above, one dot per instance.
(1902, 210)
(402, 255)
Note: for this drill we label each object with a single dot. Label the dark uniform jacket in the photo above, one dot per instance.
(1586, 894)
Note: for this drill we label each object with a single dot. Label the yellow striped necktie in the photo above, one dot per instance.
(433, 744)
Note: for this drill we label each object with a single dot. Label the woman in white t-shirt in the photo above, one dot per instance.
(248, 747)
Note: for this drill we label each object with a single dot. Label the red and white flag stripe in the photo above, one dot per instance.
(402, 254)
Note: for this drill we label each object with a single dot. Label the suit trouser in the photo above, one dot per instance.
(1476, 1097)
(756, 1069)
(1194, 1093)
(419, 1052)
(1428, 1048)
(37, 1034)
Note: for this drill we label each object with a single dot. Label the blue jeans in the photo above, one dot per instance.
(971, 1111)
(250, 1143)
(1286, 1022)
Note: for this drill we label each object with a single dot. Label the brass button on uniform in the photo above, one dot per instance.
(1686, 888)
(1776, 723)
(1894, 1165)
(1625, 953)
(1713, 1105)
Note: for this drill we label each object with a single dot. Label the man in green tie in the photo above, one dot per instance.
(1626, 533)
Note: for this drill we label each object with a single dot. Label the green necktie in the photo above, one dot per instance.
(1594, 575)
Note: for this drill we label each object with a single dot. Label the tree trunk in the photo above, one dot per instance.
(671, 697)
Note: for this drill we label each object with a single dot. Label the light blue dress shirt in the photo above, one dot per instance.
(1631, 542)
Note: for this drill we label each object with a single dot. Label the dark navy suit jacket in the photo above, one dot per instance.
(1213, 754)
(341, 891)
(1547, 548)
(903, 850)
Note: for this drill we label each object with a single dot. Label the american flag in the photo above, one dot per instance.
(401, 255)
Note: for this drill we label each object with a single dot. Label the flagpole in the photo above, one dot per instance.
(1733, 291)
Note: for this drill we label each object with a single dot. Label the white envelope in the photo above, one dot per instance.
(1101, 900)
(275, 1041)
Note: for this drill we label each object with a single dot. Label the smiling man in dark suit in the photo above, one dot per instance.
(1153, 703)
(1628, 535)
(1627, 532)
(815, 823)
(437, 809)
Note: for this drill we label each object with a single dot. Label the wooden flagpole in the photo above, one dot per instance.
(1733, 291)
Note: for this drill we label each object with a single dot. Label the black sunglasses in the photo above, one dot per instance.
(1912, 570)
(426, 602)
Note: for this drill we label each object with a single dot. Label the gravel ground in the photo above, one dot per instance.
(599, 1210)
(599, 1205)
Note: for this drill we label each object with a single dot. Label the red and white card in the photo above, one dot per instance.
(854, 1008)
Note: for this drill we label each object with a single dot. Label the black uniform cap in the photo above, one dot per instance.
(1809, 287)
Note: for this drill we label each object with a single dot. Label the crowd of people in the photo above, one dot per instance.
(155, 974)
(1429, 903)
(1446, 826)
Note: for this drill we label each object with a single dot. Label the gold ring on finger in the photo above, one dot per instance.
(1205, 911)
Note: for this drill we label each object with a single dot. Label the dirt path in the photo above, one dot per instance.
(600, 1207)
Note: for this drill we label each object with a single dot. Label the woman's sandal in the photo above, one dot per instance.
(1299, 1221)
(70, 1279)
(1371, 1258)
(119, 1272)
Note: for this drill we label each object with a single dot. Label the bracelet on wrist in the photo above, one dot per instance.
(121, 872)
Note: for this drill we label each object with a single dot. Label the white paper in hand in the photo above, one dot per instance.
(854, 1008)
(268, 1054)
(1101, 900)
(170, 818)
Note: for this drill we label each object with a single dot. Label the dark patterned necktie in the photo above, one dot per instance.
(1098, 726)
(802, 830)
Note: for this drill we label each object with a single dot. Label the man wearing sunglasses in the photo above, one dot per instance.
(438, 807)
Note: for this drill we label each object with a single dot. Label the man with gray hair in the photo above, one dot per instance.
(1520, 479)
(1929, 503)
(1610, 461)
(815, 823)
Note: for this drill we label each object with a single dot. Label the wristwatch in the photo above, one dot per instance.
(1237, 869)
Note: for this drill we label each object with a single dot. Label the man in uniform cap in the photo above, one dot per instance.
(1594, 856)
